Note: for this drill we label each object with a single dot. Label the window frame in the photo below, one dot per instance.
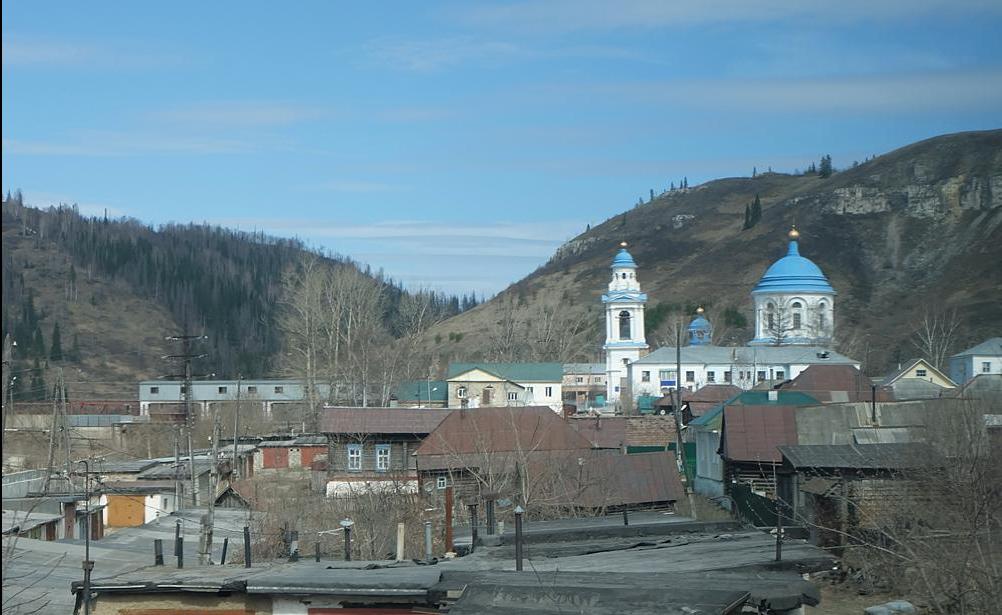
(512, 395)
(548, 391)
(154, 390)
(354, 457)
(645, 376)
(383, 452)
(921, 373)
(279, 390)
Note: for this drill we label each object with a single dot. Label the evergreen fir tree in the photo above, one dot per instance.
(747, 224)
(56, 353)
(756, 211)
(75, 350)
(825, 169)
(38, 342)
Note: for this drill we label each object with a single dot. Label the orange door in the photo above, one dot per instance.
(126, 510)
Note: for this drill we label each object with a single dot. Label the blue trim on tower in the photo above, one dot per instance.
(625, 296)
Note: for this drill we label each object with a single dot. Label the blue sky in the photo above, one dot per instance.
(456, 145)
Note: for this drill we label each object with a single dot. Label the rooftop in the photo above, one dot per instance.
(516, 372)
(901, 456)
(416, 421)
(793, 273)
(423, 391)
(991, 347)
(747, 355)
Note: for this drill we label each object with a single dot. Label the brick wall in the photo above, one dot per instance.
(649, 430)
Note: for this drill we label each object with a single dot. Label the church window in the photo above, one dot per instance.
(624, 325)
(796, 306)
(796, 320)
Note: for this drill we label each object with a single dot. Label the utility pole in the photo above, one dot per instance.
(236, 430)
(205, 544)
(178, 504)
(8, 346)
(189, 421)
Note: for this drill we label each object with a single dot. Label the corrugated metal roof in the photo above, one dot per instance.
(516, 372)
(417, 421)
(888, 435)
(763, 355)
(423, 390)
(480, 430)
(167, 470)
(602, 432)
(127, 466)
(752, 433)
(834, 383)
(593, 369)
(899, 456)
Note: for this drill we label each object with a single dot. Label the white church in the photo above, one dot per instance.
(794, 323)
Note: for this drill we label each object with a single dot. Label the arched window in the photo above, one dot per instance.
(770, 316)
(624, 325)
(822, 316)
(797, 315)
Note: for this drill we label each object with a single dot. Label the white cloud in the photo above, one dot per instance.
(110, 144)
(241, 113)
(21, 51)
(574, 15)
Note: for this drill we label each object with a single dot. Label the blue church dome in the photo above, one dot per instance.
(700, 330)
(623, 258)
(793, 274)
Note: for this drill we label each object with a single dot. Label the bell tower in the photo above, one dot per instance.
(624, 324)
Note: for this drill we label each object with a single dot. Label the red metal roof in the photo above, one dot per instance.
(482, 430)
(752, 433)
(602, 432)
(825, 382)
(344, 420)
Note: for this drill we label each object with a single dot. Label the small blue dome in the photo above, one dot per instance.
(793, 273)
(623, 259)
(700, 331)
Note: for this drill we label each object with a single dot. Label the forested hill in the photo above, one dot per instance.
(99, 296)
(907, 234)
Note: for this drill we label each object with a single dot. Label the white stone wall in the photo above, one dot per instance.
(817, 316)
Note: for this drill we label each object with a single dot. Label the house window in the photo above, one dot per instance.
(921, 373)
(690, 376)
(549, 391)
(279, 389)
(441, 482)
(986, 367)
(355, 457)
(645, 376)
(711, 376)
(461, 392)
(761, 375)
(252, 389)
(184, 389)
(382, 457)
(513, 396)
(727, 376)
(578, 380)
(154, 390)
(221, 390)
(780, 374)
(667, 374)
(528, 390)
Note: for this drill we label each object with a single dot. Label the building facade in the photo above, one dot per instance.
(481, 385)
(204, 393)
(985, 358)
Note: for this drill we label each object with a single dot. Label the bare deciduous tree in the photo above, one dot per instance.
(934, 335)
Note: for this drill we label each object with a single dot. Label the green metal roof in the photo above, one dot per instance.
(785, 398)
(516, 372)
(423, 390)
(712, 419)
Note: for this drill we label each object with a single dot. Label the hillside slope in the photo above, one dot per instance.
(915, 229)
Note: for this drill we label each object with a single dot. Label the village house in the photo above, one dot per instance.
(374, 444)
(41, 526)
(985, 358)
(917, 379)
(476, 385)
(135, 502)
(284, 453)
(530, 454)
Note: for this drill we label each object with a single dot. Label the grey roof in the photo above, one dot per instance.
(311, 440)
(982, 386)
(991, 347)
(771, 355)
(167, 470)
(901, 456)
(24, 521)
(595, 369)
(917, 388)
(125, 466)
(888, 435)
